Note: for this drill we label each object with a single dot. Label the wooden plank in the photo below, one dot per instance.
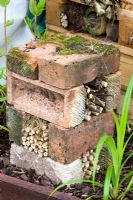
(124, 14)
(125, 50)
(78, 1)
(127, 71)
(16, 189)
(53, 11)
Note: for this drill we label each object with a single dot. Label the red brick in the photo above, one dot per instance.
(43, 62)
(67, 145)
(73, 70)
(62, 107)
(23, 60)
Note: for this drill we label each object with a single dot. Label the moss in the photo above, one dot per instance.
(17, 62)
(14, 123)
(78, 45)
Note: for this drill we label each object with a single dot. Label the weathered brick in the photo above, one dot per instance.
(14, 120)
(44, 62)
(66, 145)
(73, 70)
(62, 107)
(23, 60)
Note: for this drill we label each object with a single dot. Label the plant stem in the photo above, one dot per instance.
(35, 26)
(5, 32)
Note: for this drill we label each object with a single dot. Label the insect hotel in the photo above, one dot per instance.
(59, 97)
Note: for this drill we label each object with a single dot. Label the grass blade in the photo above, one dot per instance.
(125, 109)
(100, 145)
(74, 182)
(107, 182)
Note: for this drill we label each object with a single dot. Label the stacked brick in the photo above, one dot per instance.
(47, 95)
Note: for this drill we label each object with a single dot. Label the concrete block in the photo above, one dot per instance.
(55, 171)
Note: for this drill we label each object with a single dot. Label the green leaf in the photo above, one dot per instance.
(74, 182)
(111, 146)
(100, 145)
(4, 128)
(130, 184)
(129, 174)
(37, 8)
(125, 109)
(2, 53)
(4, 3)
(107, 182)
(33, 7)
(41, 6)
(2, 99)
(9, 23)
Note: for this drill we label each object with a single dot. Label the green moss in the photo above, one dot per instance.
(17, 62)
(14, 123)
(78, 45)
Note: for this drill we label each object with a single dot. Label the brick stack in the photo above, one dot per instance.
(46, 110)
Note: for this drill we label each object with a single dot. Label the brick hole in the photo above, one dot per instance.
(96, 93)
(35, 135)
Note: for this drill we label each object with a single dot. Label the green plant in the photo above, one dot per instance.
(4, 3)
(113, 178)
(3, 97)
(36, 8)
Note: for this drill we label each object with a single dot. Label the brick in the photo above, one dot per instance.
(55, 171)
(14, 121)
(73, 70)
(66, 145)
(58, 6)
(23, 60)
(113, 90)
(62, 107)
(43, 62)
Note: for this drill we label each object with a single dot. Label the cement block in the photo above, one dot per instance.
(55, 171)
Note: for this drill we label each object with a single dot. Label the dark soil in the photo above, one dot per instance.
(79, 190)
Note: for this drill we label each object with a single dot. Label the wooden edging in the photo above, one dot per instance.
(15, 189)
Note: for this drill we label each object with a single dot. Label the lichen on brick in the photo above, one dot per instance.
(17, 61)
(14, 123)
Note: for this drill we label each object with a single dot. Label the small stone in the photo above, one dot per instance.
(24, 177)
